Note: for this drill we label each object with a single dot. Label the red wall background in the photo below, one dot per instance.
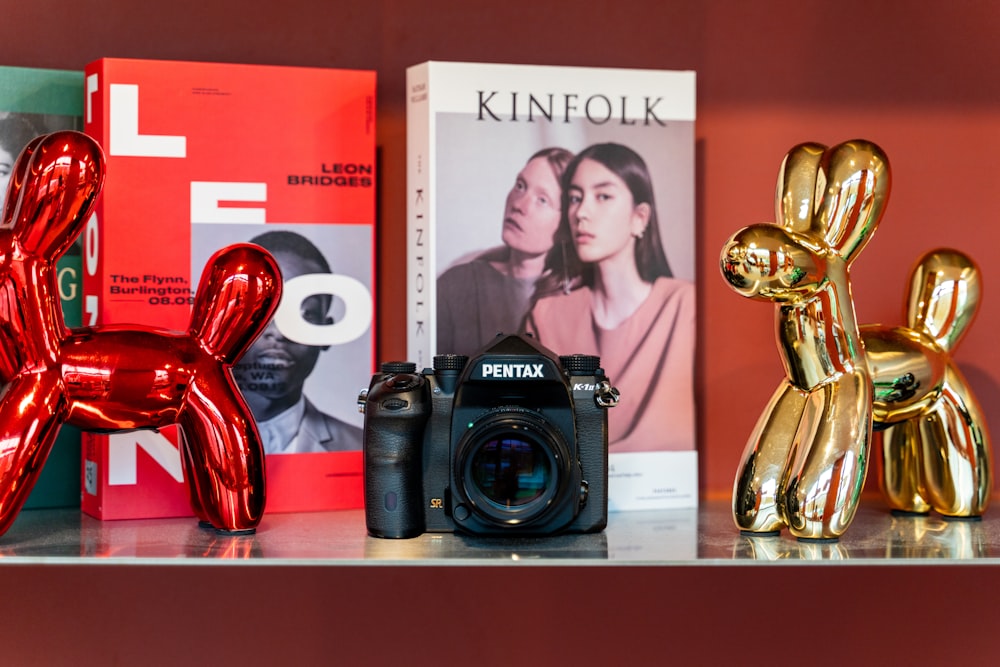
(919, 78)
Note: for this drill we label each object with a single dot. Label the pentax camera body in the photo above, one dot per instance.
(513, 441)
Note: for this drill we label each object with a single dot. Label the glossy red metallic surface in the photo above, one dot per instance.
(116, 378)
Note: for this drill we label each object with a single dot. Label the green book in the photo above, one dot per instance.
(33, 102)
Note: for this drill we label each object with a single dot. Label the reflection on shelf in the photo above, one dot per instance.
(449, 546)
(774, 548)
(653, 535)
(908, 537)
(932, 536)
(875, 534)
(705, 536)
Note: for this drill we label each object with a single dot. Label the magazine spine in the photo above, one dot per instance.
(421, 277)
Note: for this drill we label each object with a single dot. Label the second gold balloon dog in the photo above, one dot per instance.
(931, 443)
(805, 462)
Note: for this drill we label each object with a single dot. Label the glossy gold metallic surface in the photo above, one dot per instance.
(933, 449)
(805, 463)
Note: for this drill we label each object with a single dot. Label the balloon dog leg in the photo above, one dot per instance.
(804, 466)
(759, 478)
(899, 456)
(227, 471)
(194, 492)
(29, 412)
(827, 473)
(956, 452)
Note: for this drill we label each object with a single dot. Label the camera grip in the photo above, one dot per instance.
(394, 429)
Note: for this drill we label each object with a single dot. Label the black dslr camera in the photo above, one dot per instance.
(511, 442)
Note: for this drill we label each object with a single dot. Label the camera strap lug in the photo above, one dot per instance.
(605, 395)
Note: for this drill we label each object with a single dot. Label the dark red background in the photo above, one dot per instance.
(919, 78)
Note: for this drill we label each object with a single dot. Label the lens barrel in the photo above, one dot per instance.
(514, 468)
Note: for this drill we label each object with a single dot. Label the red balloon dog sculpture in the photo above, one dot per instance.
(120, 378)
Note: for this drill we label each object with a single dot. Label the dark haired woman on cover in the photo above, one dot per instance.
(492, 293)
(626, 307)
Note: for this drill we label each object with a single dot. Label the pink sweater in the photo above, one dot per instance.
(649, 357)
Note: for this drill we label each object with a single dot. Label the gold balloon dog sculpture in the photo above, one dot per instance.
(932, 448)
(805, 463)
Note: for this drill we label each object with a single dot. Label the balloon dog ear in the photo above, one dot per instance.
(855, 182)
(796, 192)
(836, 195)
(945, 291)
(56, 192)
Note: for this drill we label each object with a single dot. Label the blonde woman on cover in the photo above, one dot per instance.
(15, 133)
(492, 293)
(623, 303)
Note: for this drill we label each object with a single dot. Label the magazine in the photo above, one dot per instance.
(511, 169)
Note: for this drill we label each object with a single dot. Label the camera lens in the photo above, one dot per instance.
(513, 466)
(511, 471)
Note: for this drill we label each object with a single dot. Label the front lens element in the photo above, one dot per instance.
(511, 470)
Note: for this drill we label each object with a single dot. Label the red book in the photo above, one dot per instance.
(203, 155)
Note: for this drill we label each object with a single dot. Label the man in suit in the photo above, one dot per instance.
(272, 372)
